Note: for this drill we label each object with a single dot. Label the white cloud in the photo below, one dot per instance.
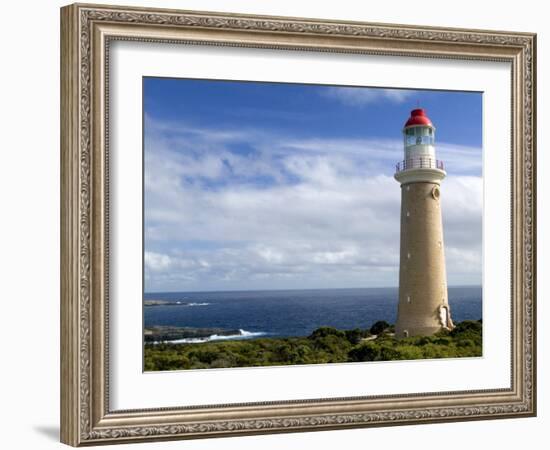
(156, 261)
(360, 96)
(321, 214)
(460, 159)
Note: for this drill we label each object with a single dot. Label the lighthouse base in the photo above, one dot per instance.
(426, 324)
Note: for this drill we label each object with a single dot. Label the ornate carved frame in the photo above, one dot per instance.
(86, 32)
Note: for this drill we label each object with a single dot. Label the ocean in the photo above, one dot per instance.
(284, 313)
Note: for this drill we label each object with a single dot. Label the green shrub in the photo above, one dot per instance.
(206, 356)
(467, 326)
(379, 327)
(326, 331)
(366, 352)
(406, 352)
(354, 336)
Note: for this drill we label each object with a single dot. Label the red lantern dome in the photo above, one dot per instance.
(418, 117)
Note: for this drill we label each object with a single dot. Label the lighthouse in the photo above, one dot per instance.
(423, 301)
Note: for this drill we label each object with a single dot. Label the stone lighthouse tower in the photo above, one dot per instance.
(423, 303)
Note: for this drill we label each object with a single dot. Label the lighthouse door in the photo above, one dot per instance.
(444, 316)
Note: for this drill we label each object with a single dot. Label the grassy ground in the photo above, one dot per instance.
(324, 345)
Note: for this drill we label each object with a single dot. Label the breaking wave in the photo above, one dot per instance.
(243, 334)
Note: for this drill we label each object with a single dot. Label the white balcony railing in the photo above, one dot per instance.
(419, 163)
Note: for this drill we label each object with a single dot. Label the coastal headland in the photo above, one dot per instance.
(206, 348)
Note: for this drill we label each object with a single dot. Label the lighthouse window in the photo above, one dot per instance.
(419, 136)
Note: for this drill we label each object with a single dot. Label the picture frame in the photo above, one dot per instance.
(87, 32)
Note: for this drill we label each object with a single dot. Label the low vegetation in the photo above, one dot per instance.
(324, 345)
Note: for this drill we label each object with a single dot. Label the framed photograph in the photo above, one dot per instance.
(276, 224)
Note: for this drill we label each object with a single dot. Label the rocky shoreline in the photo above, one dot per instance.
(168, 333)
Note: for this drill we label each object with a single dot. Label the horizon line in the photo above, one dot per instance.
(291, 289)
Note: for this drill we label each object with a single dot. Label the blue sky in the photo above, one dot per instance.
(310, 110)
(272, 186)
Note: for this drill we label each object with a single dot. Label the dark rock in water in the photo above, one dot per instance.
(172, 303)
(167, 333)
(162, 303)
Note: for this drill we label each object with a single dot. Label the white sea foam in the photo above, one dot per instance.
(243, 334)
